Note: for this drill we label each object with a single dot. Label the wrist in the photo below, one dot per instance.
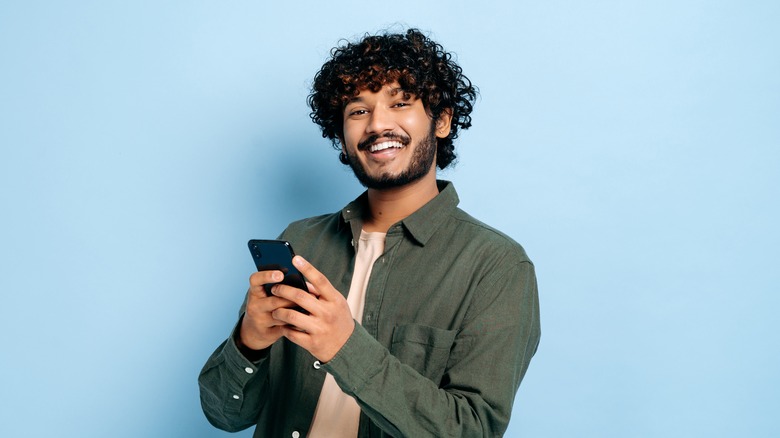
(250, 354)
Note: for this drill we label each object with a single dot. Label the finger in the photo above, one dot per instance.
(315, 277)
(294, 318)
(257, 292)
(259, 282)
(260, 278)
(262, 318)
(296, 336)
(313, 289)
(298, 296)
(261, 306)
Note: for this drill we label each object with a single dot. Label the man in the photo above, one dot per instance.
(421, 320)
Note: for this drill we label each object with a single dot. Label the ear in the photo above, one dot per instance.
(444, 123)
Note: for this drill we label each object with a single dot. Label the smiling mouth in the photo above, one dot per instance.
(377, 143)
(385, 145)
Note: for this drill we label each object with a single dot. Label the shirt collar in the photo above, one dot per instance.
(422, 223)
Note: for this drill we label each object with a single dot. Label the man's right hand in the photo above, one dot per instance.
(259, 330)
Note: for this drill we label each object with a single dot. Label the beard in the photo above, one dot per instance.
(419, 166)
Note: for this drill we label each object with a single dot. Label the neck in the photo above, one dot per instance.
(388, 206)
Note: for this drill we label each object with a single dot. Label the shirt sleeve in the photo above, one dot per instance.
(490, 355)
(233, 390)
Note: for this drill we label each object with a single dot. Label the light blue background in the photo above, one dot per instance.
(631, 147)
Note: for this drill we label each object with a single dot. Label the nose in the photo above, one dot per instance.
(380, 121)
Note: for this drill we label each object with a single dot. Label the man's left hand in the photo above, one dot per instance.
(329, 323)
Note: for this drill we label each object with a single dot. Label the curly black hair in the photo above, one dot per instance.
(417, 63)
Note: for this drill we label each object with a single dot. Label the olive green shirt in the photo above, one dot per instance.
(450, 324)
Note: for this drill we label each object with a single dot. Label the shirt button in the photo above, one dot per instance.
(249, 370)
(235, 396)
(296, 434)
(317, 365)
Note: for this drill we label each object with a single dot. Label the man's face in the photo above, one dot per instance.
(389, 138)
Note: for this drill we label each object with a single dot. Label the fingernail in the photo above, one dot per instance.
(278, 276)
(298, 261)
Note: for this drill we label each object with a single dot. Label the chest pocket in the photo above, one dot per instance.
(426, 349)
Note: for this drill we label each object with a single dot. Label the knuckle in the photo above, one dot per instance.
(256, 279)
(257, 293)
(277, 303)
(270, 304)
(300, 295)
(318, 277)
(260, 278)
(291, 316)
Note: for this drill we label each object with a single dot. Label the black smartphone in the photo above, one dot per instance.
(277, 255)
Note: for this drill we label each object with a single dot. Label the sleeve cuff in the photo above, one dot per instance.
(240, 367)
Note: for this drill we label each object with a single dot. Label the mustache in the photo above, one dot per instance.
(363, 145)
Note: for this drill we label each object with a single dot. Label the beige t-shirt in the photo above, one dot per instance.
(337, 414)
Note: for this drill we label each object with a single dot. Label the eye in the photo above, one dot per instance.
(357, 112)
(407, 99)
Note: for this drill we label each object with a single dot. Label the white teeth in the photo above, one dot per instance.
(384, 145)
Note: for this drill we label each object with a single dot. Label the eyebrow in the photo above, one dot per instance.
(392, 92)
(353, 99)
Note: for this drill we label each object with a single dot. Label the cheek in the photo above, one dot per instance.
(417, 123)
(351, 135)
